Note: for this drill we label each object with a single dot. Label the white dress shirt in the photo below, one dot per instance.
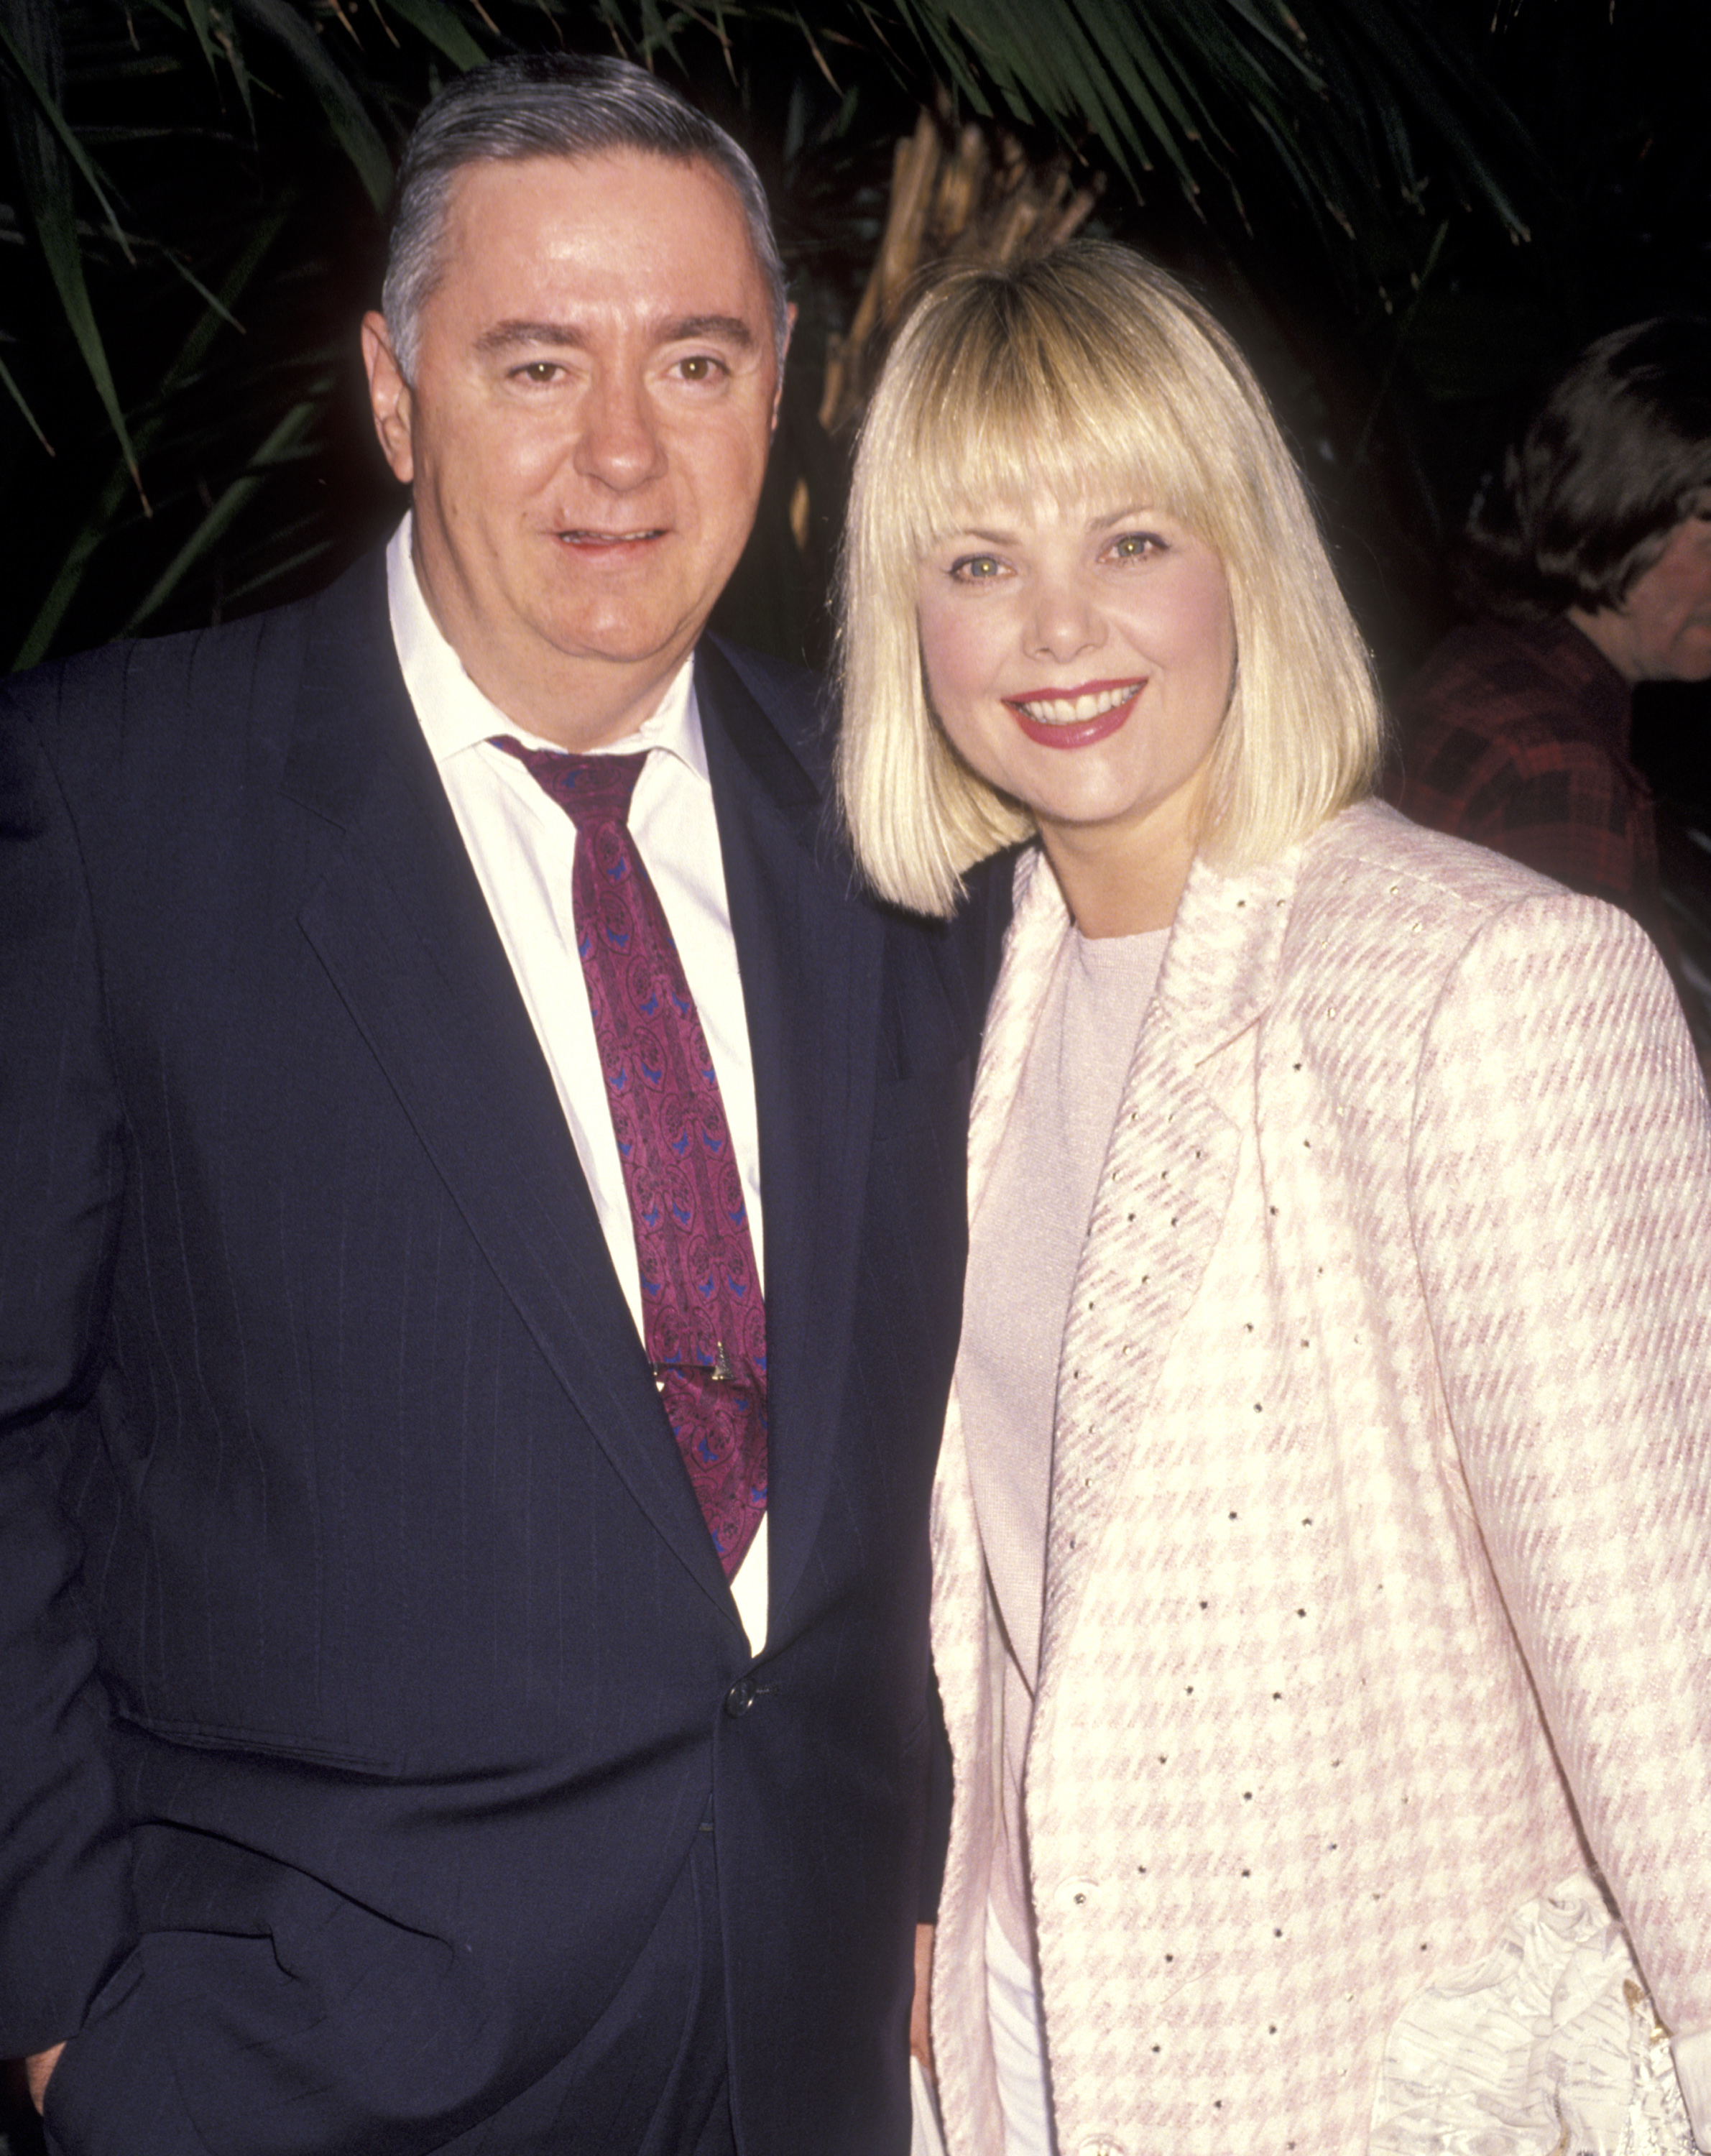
(522, 846)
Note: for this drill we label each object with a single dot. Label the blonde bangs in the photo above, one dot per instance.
(1085, 376)
(1011, 403)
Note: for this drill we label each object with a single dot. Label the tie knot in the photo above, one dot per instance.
(587, 789)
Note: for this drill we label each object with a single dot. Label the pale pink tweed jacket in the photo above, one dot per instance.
(1385, 1386)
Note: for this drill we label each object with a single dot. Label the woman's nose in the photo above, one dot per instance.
(1063, 621)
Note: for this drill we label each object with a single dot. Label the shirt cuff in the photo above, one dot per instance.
(1693, 2069)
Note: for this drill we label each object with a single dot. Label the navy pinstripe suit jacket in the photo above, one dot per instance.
(367, 1670)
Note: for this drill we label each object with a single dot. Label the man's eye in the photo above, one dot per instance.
(699, 366)
(539, 370)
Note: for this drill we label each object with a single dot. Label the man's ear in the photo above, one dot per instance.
(784, 354)
(388, 398)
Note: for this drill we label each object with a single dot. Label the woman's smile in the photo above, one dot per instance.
(1080, 660)
(1074, 718)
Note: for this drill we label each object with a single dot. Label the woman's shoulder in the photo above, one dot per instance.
(1408, 951)
(1370, 848)
(1378, 895)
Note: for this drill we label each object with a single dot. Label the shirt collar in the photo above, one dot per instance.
(1589, 701)
(455, 716)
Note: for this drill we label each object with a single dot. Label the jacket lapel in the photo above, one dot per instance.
(1039, 923)
(402, 926)
(812, 964)
(1162, 1199)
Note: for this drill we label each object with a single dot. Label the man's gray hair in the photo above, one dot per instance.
(549, 104)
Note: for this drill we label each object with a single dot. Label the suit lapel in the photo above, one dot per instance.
(402, 926)
(1163, 1196)
(812, 965)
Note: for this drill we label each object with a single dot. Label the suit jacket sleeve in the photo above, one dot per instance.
(1560, 1190)
(64, 1874)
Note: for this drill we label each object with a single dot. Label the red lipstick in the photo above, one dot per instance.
(1076, 733)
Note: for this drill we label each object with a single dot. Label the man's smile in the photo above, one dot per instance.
(585, 538)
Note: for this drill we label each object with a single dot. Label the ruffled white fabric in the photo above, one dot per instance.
(1018, 2045)
(1548, 2047)
(924, 2137)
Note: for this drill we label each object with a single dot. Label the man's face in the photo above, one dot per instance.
(1661, 630)
(1667, 611)
(587, 429)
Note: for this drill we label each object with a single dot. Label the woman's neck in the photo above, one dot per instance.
(1117, 884)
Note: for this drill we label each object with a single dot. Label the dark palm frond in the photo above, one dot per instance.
(184, 368)
(1361, 101)
(332, 88)
(164, 158)
(17, 395)
(439, 25)
(48, 158)
(1349, 156)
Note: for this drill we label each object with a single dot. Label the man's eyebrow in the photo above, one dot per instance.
(721, 329)
(511, 336)
(518, 332)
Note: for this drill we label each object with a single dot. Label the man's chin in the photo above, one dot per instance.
(623, 649)
(632, 629)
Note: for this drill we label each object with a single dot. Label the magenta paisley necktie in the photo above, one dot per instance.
(705, 1324)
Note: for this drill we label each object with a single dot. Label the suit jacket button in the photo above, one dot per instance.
(740, 1697)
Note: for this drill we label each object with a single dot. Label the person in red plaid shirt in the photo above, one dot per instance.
(1590, 566)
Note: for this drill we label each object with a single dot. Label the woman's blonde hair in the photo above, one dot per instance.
(1076, 378)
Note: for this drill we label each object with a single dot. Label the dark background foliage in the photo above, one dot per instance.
(1407, 212)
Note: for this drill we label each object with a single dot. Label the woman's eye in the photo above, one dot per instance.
(975, 569)
(1137, 545)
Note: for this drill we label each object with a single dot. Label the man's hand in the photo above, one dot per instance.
(40, 2065)
(920, 2027)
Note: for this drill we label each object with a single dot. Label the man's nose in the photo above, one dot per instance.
(619, 444)
(1063, 622)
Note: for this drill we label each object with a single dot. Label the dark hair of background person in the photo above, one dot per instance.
(1612, 460)
(550, 104)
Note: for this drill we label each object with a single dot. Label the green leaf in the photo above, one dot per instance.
(201, 22)
(1338, 90)
(1138, 64)
(354, 130)
(51, 612)
(949, 54)
(18, 399)
(276, 449)
(56, 227)
(42, 143)
(224, 32)
(1292, 51)
(50, 112)
(441, 27)
(1387, 68)
(201, 291)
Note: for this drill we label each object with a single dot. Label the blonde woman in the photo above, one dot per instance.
(1321, 1531)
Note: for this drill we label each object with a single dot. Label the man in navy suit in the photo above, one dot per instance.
(392, 1764)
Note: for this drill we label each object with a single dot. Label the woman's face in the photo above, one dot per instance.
(1080, 658)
